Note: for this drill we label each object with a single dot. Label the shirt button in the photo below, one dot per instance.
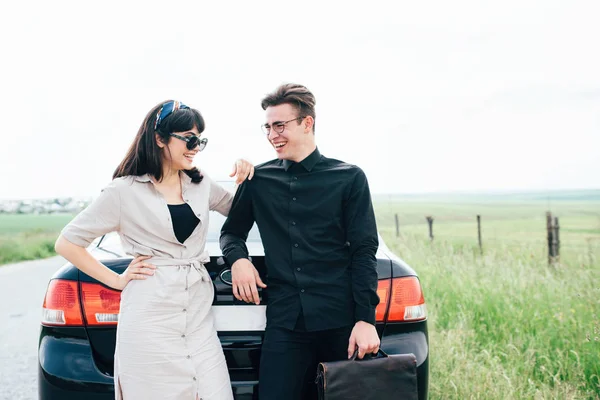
(194, 378)
(293, 198)
(296, 245)
(302, 290)
(188, 357)
(293, 222)
(185, 288)
(184, 310)
(295, 178)
(298, 269)
(182, 336)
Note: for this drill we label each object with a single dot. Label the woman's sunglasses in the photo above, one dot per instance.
(192, 141)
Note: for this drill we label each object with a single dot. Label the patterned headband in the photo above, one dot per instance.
(166, 110)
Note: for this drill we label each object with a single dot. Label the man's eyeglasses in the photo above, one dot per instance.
(192, 141)
(278, 126)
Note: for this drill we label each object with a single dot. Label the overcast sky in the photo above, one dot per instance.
(425, 96)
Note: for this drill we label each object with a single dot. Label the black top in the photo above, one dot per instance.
(318, 230)
(184, 220)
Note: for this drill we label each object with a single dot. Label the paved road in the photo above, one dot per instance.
(22, 289)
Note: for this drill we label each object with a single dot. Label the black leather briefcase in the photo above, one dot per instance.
(381, 377)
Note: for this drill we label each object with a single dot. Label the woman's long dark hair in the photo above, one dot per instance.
(145, 156)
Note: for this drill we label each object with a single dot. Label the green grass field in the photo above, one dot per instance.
(504, 325)
(29, 237)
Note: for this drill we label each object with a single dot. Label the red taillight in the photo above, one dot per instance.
(61, 304)
(383, 291)
(404, 303)
(100, 304)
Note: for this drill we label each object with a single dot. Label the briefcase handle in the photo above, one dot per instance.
(368, 356)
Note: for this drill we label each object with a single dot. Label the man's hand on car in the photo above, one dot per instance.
(245, 279)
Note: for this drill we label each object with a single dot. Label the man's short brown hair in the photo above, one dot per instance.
(298, 96)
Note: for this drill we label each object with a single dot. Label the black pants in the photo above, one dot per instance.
(289, 359)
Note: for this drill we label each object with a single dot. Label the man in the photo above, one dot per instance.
(318, 229)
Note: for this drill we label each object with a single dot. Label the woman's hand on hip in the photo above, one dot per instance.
(138, 269)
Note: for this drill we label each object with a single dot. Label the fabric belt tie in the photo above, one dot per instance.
(197, 271)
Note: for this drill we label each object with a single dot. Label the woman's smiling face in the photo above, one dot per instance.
(176, 154)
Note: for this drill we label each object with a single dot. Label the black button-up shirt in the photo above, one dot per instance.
(318, 230)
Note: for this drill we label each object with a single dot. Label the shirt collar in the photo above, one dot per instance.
(308, 163)
(143, 178)
(146, 178)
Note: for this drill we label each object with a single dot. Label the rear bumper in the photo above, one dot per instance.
(415, 342)
(67, 371)
(59, 388)
(66, 368)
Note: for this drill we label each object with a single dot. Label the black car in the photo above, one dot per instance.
(78, 329)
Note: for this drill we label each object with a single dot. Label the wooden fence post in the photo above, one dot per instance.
(479, 233)
(397, 226)
(430, 222)
(550, 229)
(556, 240)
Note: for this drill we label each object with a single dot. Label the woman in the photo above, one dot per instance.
(167, 346)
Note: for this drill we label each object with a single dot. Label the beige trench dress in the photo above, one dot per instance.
(167, 346)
